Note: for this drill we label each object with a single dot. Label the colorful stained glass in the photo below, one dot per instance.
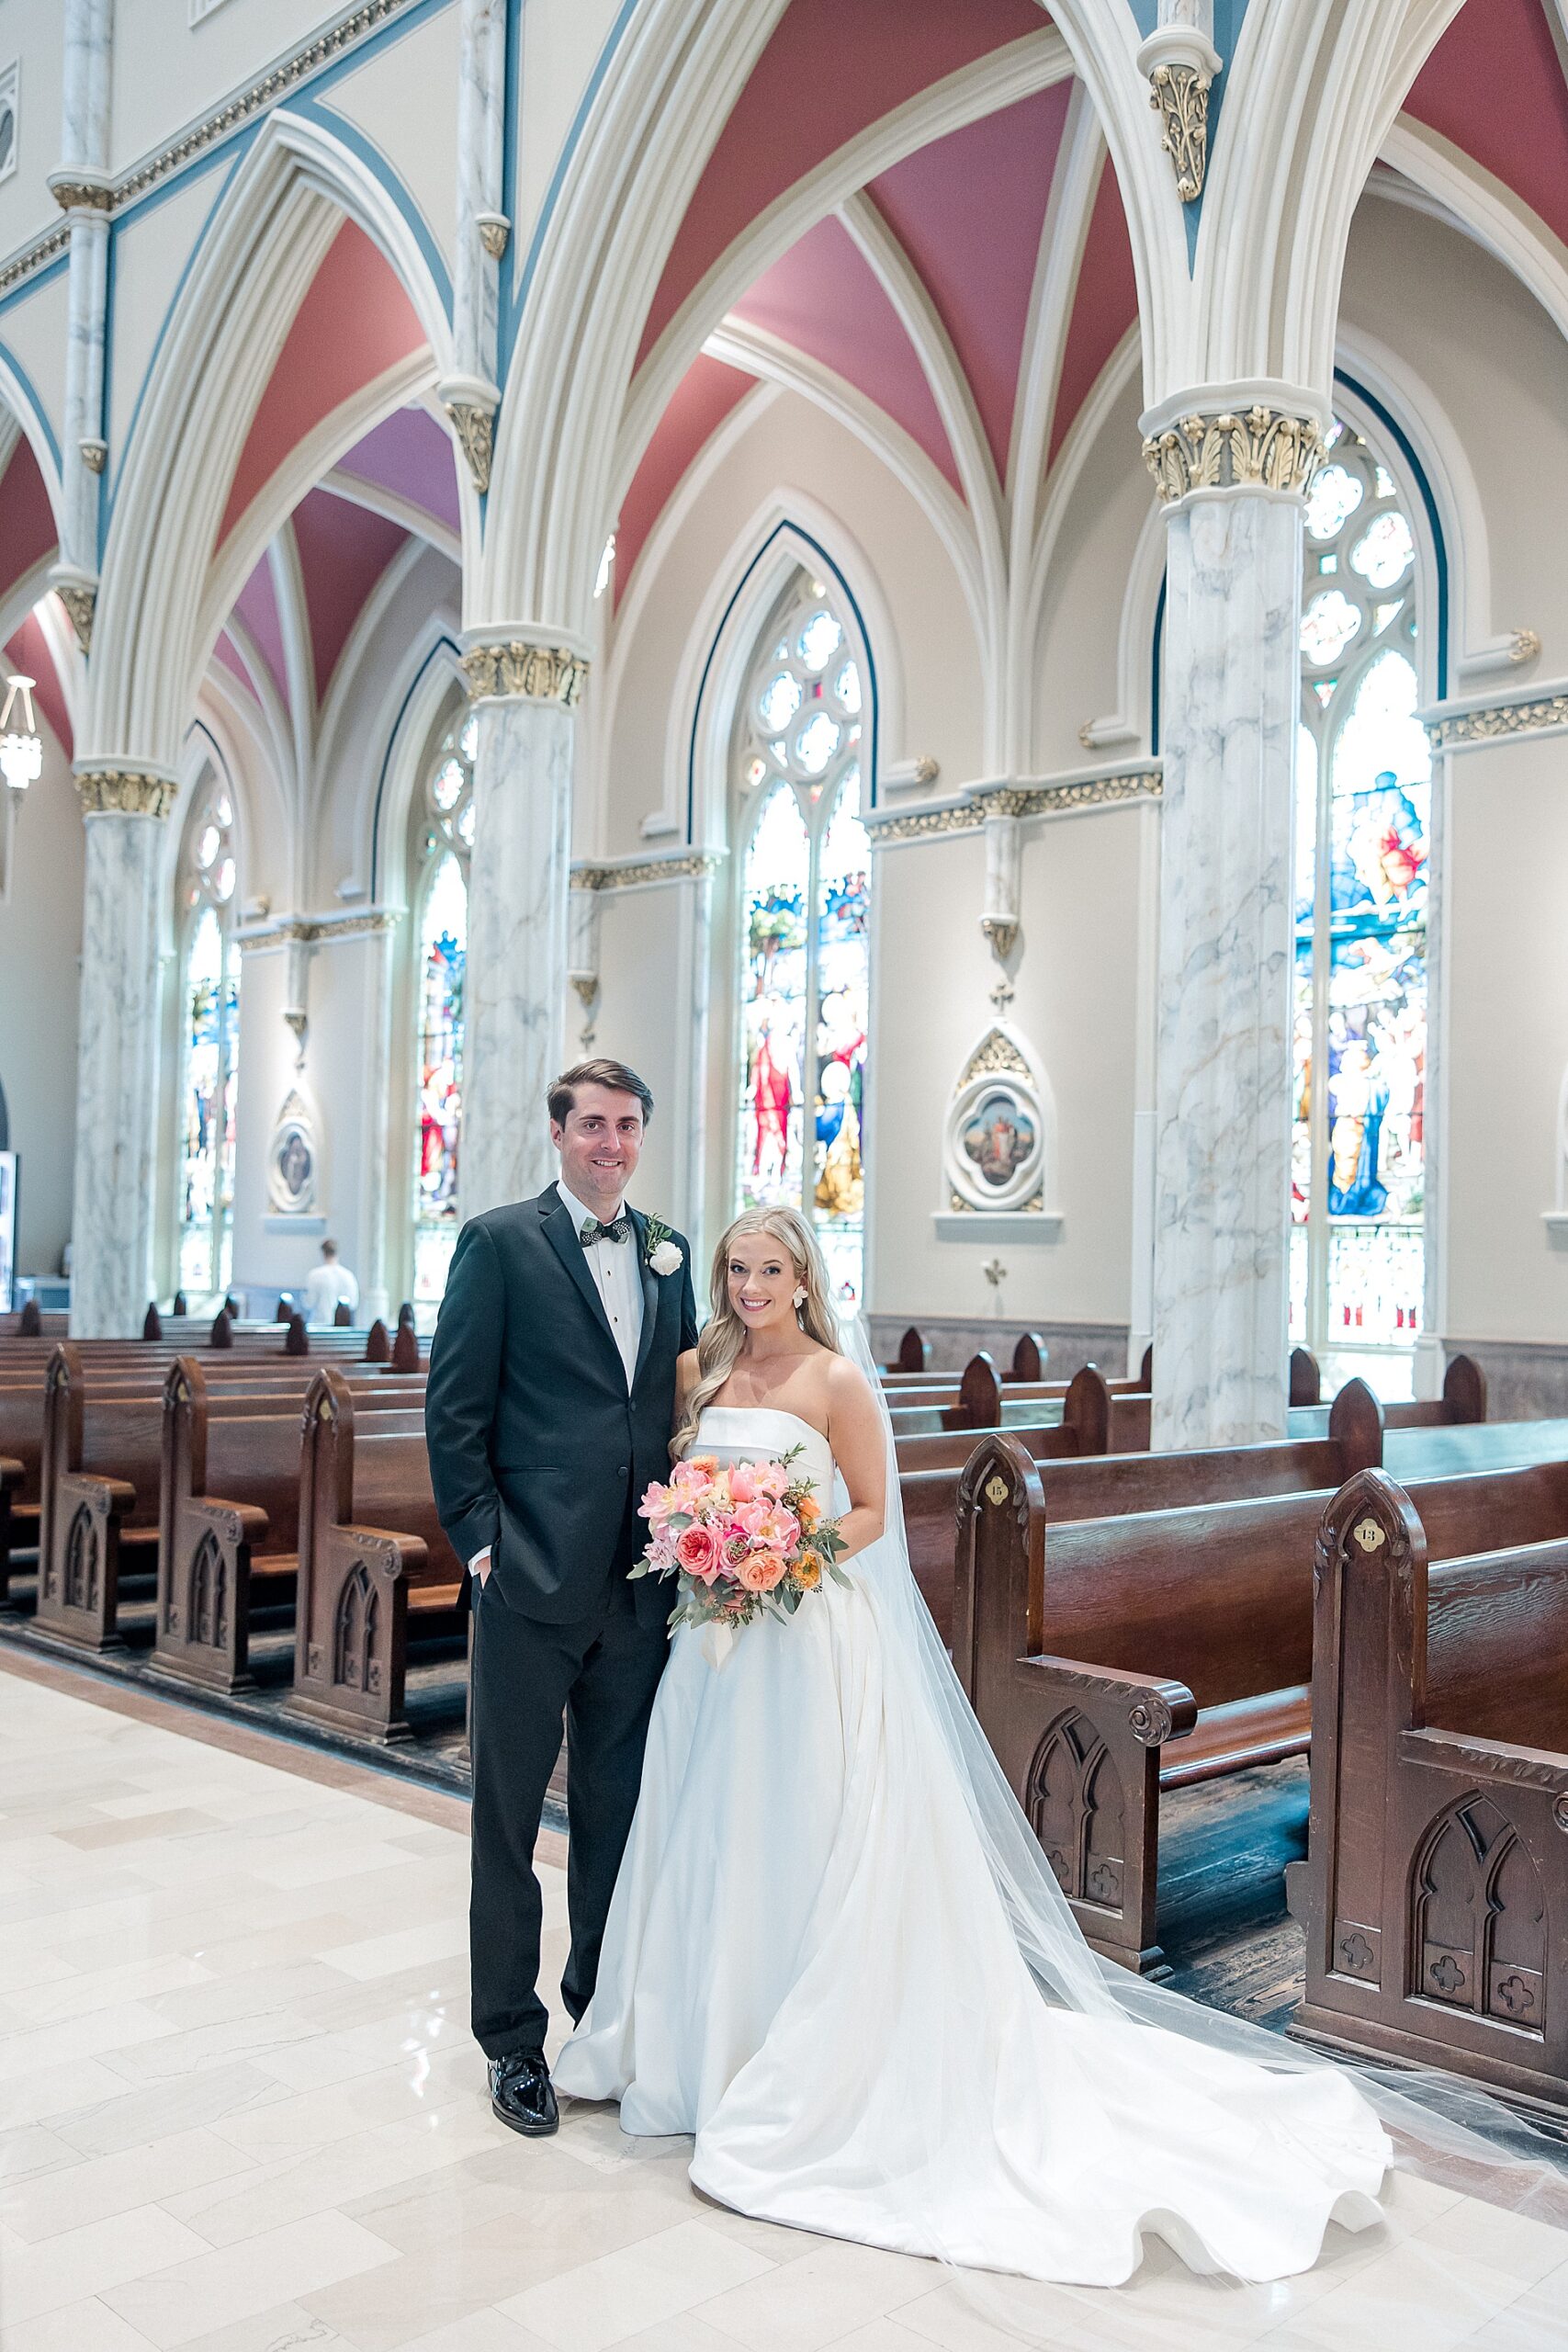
(806, 956)
(210, 1052)
(1328, 624)
(447, 838)
(1362, 883)
(777, 892)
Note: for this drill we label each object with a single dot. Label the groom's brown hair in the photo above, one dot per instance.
(614, 1075)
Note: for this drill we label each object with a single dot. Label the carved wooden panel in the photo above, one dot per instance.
(354, 1666)
(209, 1594)
(82, 1561)
(1076, 1808)
(1478, 1936)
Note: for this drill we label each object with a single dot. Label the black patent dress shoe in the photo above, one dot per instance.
(522, 2094)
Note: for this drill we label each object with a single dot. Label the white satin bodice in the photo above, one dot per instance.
(766, 1433)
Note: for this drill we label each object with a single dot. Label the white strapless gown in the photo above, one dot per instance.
(807, 1966)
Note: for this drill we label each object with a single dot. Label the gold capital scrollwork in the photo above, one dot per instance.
(80, 600)
(1179, 95)
(1262, 450)
(124, 792)
(1500, 720)
(518, 670)
(475, 429)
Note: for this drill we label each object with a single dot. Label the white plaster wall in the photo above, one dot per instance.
(1076, 1002)
(404, 97)
(152, 247)
(1507, 1039)
(32, 331)
(562, 40)
(333, 1084)
(41, 945)
(791, 447)
(30, 37)
(640, 1020)
(168, 71)
(1095, 536)
(1496, 365)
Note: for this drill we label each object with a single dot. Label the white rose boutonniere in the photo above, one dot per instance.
(663, 1255)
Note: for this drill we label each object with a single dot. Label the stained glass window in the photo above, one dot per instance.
(806, 969)
(1362, 876)
(445, 840)
(209, 1014)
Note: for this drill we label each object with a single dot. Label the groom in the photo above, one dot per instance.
(549, 1411)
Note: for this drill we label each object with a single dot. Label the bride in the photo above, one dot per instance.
(835, 1955)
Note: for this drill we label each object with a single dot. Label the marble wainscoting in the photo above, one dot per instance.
(516, 974)
(116, 1081)
(1527, 1380)
(954, 1338)
(1223, 1151)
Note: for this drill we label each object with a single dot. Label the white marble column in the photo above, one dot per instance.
(81, 186)
(470, 394)
(1223, 1092)
(516, 985)
(381, 947)
(116, 1068)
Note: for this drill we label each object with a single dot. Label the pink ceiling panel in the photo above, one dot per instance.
(344, 551)
(968, 211)
(1495, 85)
(233, 660)
(702, 400)
(355, 322)
(27, 519)
(1104, 306)
(256, 606)
(29, 652)
(824, 298)
(829, 69)
(410, 455)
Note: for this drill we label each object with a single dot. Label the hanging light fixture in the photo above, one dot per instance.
(21, 748)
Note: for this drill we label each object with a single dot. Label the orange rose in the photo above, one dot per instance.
(808, 1571)
(808, 1510)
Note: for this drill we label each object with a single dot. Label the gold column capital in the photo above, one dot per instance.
(518, 670)
(124, 792)
(1258, 450)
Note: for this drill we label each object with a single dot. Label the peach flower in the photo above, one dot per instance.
(760, 1572)
(808, 1571)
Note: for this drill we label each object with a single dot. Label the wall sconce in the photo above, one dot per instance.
(21, 749)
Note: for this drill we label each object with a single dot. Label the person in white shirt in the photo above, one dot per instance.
(327, 1287)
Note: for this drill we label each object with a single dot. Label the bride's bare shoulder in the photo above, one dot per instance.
(847, 1384)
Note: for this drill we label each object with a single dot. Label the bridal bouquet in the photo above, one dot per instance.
(746, 1538)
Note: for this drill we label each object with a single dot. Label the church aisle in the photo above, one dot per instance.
(240, 2109)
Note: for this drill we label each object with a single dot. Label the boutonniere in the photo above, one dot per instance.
(661, 1250)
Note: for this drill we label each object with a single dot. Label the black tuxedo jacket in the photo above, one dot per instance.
(536, 1445)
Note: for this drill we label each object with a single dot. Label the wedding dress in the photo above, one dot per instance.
(824, 1961)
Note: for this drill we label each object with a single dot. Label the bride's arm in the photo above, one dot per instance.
(686, 1374)
(860, 1449)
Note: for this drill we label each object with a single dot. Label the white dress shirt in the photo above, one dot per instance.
(616, 1273)
(327, 1287)
(617, 1277)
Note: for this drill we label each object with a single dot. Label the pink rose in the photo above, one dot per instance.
(697, 1551)
(657, 1505)
(780, 1531)
(760, 1571)
(743, 1482)
(751, 1517)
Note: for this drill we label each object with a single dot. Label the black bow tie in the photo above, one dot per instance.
(619, 1229)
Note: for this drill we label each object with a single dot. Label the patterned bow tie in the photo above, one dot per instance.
(619, 1229)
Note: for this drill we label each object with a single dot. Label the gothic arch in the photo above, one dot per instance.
(161, 596)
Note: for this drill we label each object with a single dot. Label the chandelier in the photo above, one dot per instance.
(21, 748)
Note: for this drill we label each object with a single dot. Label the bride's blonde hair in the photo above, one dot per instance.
(724, 1334)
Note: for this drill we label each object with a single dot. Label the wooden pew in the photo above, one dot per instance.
(373, 1563)
(100, 1455)
(228, 1511)
(1463, 1401)
(914, 1354)
(1434, 1894)
(1110, 1657)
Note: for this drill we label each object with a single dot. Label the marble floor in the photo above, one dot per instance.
(240, 2112)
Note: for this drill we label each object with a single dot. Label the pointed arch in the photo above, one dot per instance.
(161, 596)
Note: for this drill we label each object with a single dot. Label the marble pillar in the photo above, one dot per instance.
(374, 1228)
(81, 187)
(469, 393)
(516, 983)
(1222, 1091)
(116, 1076)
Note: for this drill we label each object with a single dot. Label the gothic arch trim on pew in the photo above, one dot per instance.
(267, 235)
(1076, 1808)
(1473, 1886)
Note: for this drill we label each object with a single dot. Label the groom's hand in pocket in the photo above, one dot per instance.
(480, 1567)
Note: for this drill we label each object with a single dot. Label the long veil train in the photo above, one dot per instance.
(1442, 2131)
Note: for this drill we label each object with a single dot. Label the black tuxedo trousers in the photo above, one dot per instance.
(539, 1451)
